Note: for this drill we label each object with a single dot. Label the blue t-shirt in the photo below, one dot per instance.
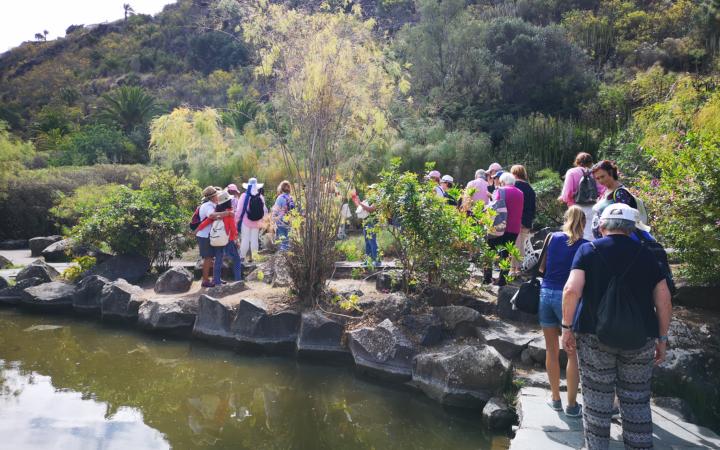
(621, 253)
(559, 260)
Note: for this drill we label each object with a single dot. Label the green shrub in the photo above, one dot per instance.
(548, 186)
(150, 221)
(96, 144)
(435, 241)
(84, 263)
(24, 210)
(69, 209)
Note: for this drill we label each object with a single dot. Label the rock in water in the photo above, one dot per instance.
(320, 335)
(38, 244)
(383, 351)
(88, 293)
(497, 415)
(129, 268)
(464, 375)
(120, 300)
(51, 297)
(213, 321)
(12, 295)
(38, 269)
(255, 327)
(174, 281)
(176, 316)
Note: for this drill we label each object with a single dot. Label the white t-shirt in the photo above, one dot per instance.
(206, 209)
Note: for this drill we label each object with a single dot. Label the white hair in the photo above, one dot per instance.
(617, 224)
(480, 173)
(507, 179)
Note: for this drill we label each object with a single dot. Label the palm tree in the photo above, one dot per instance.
(241, 113)
(129, 107)
(129, 11)
(39, 37)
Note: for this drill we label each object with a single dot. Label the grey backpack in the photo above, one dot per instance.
(587, 193)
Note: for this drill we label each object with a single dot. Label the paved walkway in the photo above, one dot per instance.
(543, 428)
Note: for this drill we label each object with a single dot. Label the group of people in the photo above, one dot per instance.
(227, 215)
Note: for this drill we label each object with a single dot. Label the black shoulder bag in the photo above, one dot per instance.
(620, 322)
(527, 298)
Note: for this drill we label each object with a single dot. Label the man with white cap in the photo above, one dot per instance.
(620, 329)
(434, 176)
(446, 183)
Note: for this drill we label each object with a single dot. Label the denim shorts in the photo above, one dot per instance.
(550, 310)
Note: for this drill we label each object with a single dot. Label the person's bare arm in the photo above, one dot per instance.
(571, 296)
(367, 207)
(663, 309)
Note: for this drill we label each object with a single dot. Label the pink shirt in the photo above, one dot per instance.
(514, 199)
(247, 222)
(481, 190)
(572, 181)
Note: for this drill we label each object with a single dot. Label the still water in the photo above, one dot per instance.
(70, 384)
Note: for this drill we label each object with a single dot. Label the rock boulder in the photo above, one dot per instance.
(255, 327)
(423, 329)
(497, 415)
(38, 269)
(38, 244)
(321, 335)
(120, 300)
(4, 262)
(177, 316)
(461, 321)
(509, 339)
(505, 309)
(223, 290)
(698, 296)
(383, 351)
(88, 293)
(213, 321)
(55, 296)
(3, 283)
(175, 280)
(12, 295)
(127, 267)
(462, 374)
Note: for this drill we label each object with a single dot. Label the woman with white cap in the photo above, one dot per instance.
(249, 215)
(434, 176)
(446, 183)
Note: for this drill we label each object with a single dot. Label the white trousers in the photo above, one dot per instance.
(248, 239)
(587, 233)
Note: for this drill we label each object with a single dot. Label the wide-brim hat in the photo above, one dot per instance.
(232, 187)
(494, 166)
(223, 196)
(209, 192)
(252, 181)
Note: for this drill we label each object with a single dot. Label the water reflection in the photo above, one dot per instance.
(33, 415)
(85, 383)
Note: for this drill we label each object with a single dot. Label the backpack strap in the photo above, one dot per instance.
(542, 260)
(244, 209)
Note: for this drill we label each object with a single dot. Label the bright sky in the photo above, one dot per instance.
(21, 19)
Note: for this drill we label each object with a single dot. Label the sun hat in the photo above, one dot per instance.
(433, 174)
(252, 181)
(223, 196)
(232, 187)
(447, 179)
(624, 212)
(209, 192)
(495, 167)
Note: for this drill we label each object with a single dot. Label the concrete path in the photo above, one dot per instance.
(543, 428)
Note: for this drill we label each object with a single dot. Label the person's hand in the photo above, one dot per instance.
(660, 349)
(568, 341)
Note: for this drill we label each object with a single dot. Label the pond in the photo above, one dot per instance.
(72, 384)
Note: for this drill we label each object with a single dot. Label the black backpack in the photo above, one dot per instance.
(661, 256)
(587, 193)
(620, 322)
(255, 209)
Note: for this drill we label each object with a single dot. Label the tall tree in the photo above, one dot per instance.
(129, 11)
(129, 107)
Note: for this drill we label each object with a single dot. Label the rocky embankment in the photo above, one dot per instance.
(461, 351)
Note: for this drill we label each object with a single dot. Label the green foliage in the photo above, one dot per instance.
(149, 221)
(550, 210)
(349, 303)
(216, 50)
(95, 144)
(83, 264)
(458, 153)
(13, 153)
(540, 141)
(435, 241)
(682, 135)
(69, 209)
(129, 107)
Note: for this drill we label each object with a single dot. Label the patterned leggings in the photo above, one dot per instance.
(605, 372)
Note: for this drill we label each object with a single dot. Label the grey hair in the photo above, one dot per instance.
(622, 225)
(507, 179)
(480, 173)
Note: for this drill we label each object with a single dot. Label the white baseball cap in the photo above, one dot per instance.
(447, 179)
(624, 212)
